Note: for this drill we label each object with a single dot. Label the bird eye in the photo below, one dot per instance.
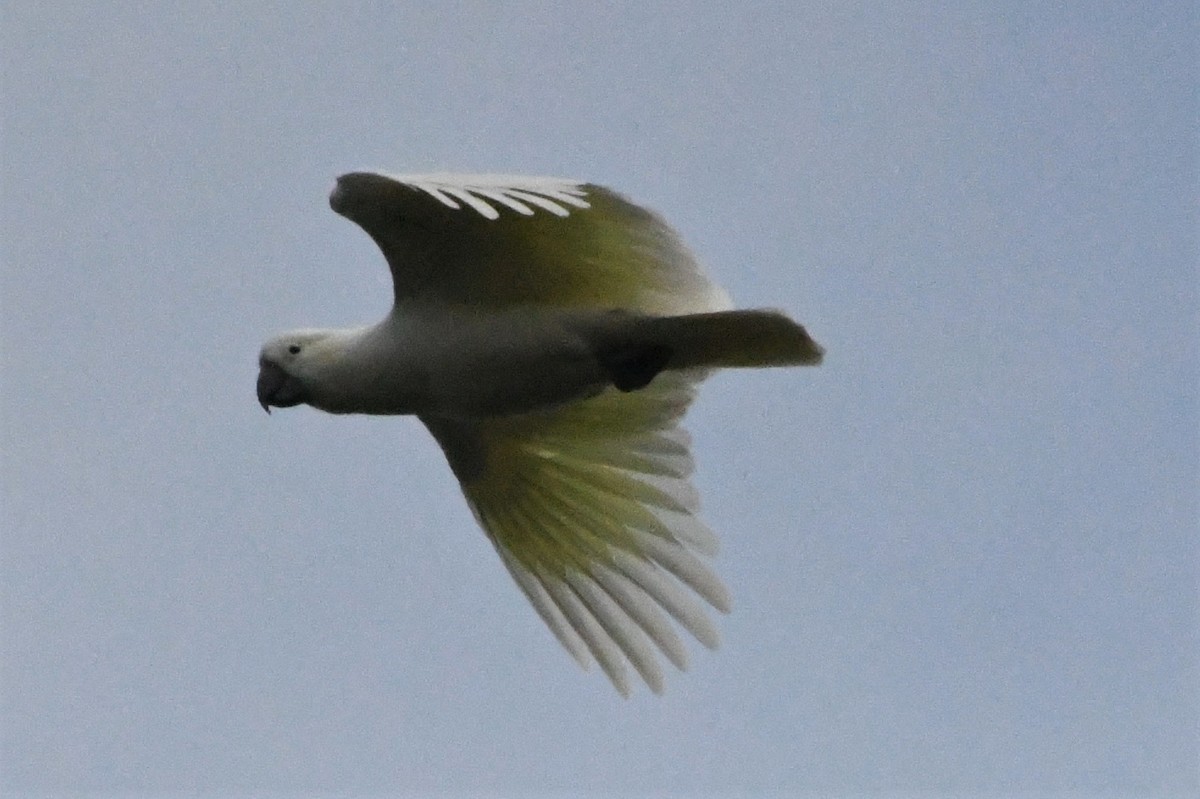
(294, 349)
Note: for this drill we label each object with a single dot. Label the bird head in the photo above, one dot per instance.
(285, 366)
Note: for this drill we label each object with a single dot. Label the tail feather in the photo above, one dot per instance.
(634, 349)
(732, 339)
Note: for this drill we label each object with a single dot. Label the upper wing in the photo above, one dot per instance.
(494, 240)
(592, 512)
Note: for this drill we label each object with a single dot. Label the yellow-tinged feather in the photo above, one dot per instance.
(592, 511)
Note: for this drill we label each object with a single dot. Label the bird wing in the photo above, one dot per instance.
(591, 509)
(589, 505)
(502, 241)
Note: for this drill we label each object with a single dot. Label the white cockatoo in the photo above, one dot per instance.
(550, 334)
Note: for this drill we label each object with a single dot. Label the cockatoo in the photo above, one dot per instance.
(550, 334)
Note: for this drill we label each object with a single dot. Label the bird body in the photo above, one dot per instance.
(450, 361)
(461, 362)
(550, 334)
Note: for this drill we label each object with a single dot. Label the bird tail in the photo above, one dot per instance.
(642, 346)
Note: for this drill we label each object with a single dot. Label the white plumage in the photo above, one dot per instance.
(550, 334)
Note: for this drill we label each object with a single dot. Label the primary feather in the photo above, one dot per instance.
(550, 334)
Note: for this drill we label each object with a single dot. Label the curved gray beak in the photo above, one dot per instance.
(277, 388)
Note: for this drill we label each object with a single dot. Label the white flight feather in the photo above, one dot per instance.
(545, 606)
(682, 604)
(598, 641)
(621, 629)
(550, 194)
(616, 612)
(690, 530)
(682, 563)
(640, 606)
(590, 549)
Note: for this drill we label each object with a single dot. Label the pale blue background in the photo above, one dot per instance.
(963, 552)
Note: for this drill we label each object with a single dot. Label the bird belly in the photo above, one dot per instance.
(481, 366)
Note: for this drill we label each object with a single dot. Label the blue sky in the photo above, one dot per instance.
(963, 552)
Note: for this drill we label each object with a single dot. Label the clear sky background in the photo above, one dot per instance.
(963, 552)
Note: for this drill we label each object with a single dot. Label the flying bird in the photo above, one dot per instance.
(550, 334)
